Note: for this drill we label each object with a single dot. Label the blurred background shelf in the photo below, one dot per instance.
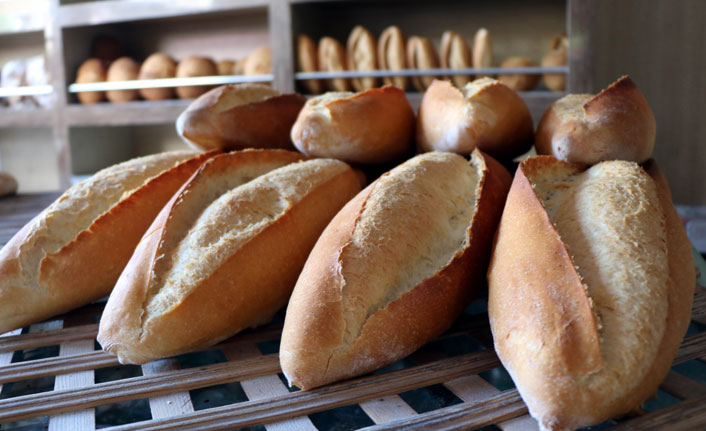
(123, 114)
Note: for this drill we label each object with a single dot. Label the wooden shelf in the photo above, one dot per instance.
(25, 117)
(24, 16)
(123, 114)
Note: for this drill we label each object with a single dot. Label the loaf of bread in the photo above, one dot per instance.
(224, 253)
(394, 268)
(8, 184)
(455, 54)
(307, 61)
(191, 67)
(557, 56)
(332, 58)
(226, 67)
(157, 66)
(421, 55)
(371, 127)
(258, 62)
(590, 288)
(122, 69)
(362, 56)
(238, 116)
(482, 51)
(484, 114)
(519, 81)
(73, 252)
(616, 124)
(392, 55)
(91, 70)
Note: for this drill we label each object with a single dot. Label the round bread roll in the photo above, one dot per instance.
(122, 69)
(238, 116)
(371, 127)
(392, 55)
(421, 55)
(332, 58)
(556, 56)
(617, 124)
(8, 184)
(226, 67)
(362, 57)
(259, 62)
(455, 54)
(194, 66)
(518, 82)
(307, 61)
(482, 51)
(91, 70)
(484, 114)
(157, 66)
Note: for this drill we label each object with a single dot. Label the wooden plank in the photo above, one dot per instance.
(47, 338)
(692, 347)
(81, 419)
(387, 409)
(682, 387)
(689, 415)
(169, 405)
(698, 309)
(6, 357)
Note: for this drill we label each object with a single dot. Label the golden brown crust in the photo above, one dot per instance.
(122, 69)
(482, 51)
(259, 62)
(332, 58)
(307, 61)
(361, 47)
(485, 114)
(455, 54)
(421, 55)
(195, 66)
(8, 184)
(616, 124)
(226, 67)
(374, 126)
(157, 66)
(254, 122)
(91, 70)
(392, 55)
(519, 82)
(557, 56)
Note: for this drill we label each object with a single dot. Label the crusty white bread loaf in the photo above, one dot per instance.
(73, 252)
(392, 55)
(224, 253)
(394, 268)
(484, 114)
(374, 126)
(362, 56)
(590, 288)
(455, 54)
(616, 124)
(238, 116)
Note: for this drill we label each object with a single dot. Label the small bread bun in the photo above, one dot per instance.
(195, 66)
(226, 67)
(392, 55)
(421, 55)
(482, 51)
(122, 69)
(307, 61)
(518, 82)
(375, 126)
(332, 58)
(617, 124)
(91, 70)
(238, 116)
(8, 184)
(259, 62)
(157, 66)
(362, 56)
(455, 54)
(556, 56)
(484, 114)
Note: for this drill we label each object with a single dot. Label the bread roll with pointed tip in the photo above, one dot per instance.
(590, 288)
(157, 66)
(238, 116)
(482, 51)
(421, 55)
(455, 54)
(361, 50)
(371, 127)
(519, 81)
(73, 252)
(195, 66)
(394, 268)
(258, 62)
(122, 69)
(485, 114)
(224, 253)
(586, 129)
(392, 55)
(91, 70)
(332, 58)
(557, 56)
(307, 61)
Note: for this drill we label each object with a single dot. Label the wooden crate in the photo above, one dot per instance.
(54, 375)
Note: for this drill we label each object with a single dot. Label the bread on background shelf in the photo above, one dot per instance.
(392, 55)
(308, 61)
(482, 51)
(557, 56)
(332, 58)
(91, 70)
(362, 57)
(258, 62)
(122, 69)
(455, 54)
(157, 66)
(421, 55)
(194, 66)
(519, 81)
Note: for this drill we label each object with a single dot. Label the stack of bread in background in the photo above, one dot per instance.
(392, 50)
(589, 272)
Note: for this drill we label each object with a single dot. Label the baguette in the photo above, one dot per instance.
(394, 268)
(590, 288)
(482, 51)
(332, 58)
(362, 56)
(73, 252)
(392, 55)
(307, 61)
(455, 54)
(557, 56)
(421, 55)
(224, 253)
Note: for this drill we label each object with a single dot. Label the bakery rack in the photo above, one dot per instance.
(54, 376)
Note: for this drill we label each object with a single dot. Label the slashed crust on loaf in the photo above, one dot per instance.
(392, 55)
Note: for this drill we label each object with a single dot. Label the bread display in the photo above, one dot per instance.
(226, 67)
(455, 54)
(519, 81)
(258, 62)
(122, 69)
(394, 268)
(374, 126)
(557, 56)
(157, 66)
(73, 252)
(590, 288)
(238, 116)
(332, 58)
(224, 253)
(307, 61)
(484, 114)
(392, 55)
(194, 66)
(91, 70)
(362, 56)
(421, 55)
(8, 184)
(586, 129)
(482, 51)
